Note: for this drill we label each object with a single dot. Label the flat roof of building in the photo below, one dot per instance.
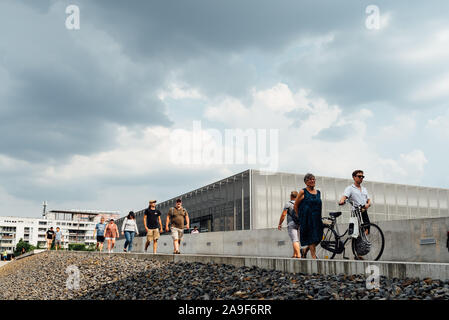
(88, 212)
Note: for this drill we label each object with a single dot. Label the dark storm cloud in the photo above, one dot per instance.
(65, 92)
(362, 66)
(200, 38)
(63, 100)
(160, 27)
(63, 97)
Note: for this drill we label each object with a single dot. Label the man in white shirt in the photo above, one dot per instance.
(358, 195)
(195, 230)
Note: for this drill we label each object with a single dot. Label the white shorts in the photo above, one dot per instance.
(293, 231)
(176, 233)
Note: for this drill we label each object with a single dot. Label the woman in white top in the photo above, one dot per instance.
(129, 229)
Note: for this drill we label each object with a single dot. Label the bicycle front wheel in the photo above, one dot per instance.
(326, 249)
(376, 237)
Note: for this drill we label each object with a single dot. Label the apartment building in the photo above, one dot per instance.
(77, 226)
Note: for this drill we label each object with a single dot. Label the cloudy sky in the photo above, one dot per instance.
(101, 117)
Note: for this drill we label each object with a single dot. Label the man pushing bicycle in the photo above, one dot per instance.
(358, 195)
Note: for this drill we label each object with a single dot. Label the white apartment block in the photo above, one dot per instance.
(77, 226)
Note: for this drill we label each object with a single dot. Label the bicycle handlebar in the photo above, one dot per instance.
(352, 204)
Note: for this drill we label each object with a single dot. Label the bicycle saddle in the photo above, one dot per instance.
(335, 214)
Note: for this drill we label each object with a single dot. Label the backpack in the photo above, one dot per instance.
(292, 213)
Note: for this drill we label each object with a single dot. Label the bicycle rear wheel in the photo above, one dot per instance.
(376, 237)
(329, 241)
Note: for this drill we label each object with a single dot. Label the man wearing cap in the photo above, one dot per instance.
(153, 225)
(177, 215)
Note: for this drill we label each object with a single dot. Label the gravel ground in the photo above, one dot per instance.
(43, 276)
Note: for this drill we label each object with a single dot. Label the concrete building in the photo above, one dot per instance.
(254, 199)
(77, 226)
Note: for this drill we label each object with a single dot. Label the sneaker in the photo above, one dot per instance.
(124, 250)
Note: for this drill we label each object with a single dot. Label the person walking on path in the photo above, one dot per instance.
(99, 230)
(5, 255)
(308, 205)
(177, 215)
(58, 238)
(358, 195)
(292, 223)
(153, 225)
(50, 236)
(110, 233)
(129, 229)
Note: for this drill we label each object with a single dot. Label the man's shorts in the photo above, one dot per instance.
(100, 239)
(176, 233)
(293, 231)
(58, 242)
(153, 234)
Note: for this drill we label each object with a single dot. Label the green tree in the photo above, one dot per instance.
(22, 244)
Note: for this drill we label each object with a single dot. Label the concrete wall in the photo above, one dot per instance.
(402, 242)
(391, 270)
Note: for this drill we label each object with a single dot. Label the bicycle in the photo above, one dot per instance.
(368, 245)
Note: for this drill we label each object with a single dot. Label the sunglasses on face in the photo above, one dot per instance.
(360, 177)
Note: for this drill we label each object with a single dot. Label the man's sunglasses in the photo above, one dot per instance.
(360, 177)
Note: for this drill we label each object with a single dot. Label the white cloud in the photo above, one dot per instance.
(179, 91)
(301, 151)
(440, 124)
(434, 48)
(228, 111)
(278, 98)
(385, 19)
(437, 88)
(402, 127)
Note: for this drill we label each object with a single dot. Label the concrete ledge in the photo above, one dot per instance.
(33, 252)
(403, 242)
(390, 269)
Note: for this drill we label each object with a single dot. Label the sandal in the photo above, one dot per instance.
(304, 253)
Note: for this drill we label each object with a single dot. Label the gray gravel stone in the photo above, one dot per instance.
(111, 277)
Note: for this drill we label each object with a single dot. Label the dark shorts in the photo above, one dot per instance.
(100, 239)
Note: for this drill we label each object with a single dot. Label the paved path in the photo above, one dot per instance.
(2, 263)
